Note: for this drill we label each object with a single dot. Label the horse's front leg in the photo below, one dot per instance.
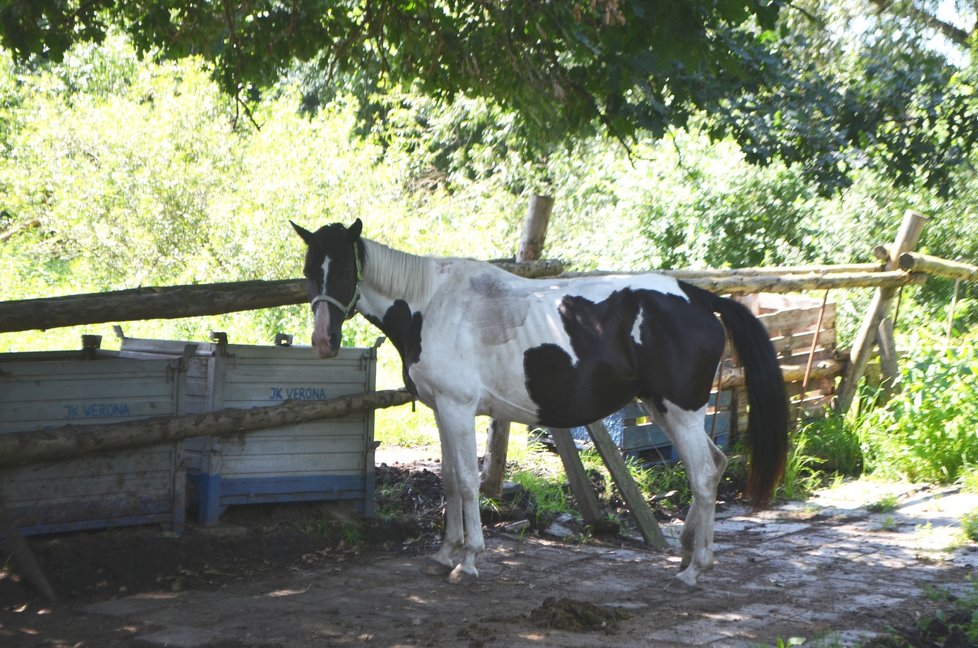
(460, 475)
(441, 563)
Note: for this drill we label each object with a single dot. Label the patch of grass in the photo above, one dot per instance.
(926, 432)
(833, 441)
(652, 480)
(546, 491)
(969, 479)
(888, 523)
(955, 625)
(969, 525)
(801, 473)
(404, 428)
(885, 504)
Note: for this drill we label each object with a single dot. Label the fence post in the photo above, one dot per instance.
(906, 239)
(531, 246)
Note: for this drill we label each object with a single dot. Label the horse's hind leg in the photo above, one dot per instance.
(705, 464)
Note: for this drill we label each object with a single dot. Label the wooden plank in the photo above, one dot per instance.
(801, 343)
(247, 395)
(581, 487)
(626, 486)
(798, 319)
(280, 465)
(20, 448)
(289, 446)
(23, 489)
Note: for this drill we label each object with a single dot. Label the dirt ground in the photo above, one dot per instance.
(828, 571)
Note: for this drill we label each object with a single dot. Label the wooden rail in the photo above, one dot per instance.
(914, 261)
(172, 302)
(72, 441)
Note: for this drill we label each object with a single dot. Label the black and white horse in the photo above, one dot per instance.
(475, 339)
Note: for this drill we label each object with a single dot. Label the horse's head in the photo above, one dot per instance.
(333, 269)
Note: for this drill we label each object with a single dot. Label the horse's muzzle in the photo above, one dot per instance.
(326, 343)
(324, 349)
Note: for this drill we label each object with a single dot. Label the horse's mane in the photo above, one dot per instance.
(396, 273)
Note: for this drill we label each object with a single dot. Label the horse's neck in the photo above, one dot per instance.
(391, 275)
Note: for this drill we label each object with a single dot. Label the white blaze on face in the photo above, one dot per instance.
(320, 324)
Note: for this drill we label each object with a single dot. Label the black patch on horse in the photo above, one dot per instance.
(403, 329)
(604, 378)
(681, 345)
(682, 342)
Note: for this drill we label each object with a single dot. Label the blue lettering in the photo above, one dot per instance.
(97, 410)
(298, 393)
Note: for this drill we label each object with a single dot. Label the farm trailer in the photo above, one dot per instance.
(43, 390)
(312, 461)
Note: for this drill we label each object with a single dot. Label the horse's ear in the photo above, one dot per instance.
(353, 232)
(304, 233)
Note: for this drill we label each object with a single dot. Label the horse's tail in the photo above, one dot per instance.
(767, 423)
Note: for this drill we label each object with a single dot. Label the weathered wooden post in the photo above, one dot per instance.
(906, 239)
(531, 247)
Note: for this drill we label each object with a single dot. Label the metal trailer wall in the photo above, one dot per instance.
(319, 460)
(42, 390)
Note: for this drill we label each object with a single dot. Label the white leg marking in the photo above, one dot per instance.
(705, 464)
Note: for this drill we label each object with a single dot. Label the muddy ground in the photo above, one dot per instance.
(829, 572)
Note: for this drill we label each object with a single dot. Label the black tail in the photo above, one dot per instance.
(767, 423)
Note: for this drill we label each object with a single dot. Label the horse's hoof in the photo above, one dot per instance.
(679, 584)
(434, 568)
(461, 577)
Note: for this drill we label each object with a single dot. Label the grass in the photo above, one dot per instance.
(956, 624)
(969, 525)
(547, 493)
(885, 504)
(801, 474)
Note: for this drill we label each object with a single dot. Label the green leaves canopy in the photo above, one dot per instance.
(561, 65)
(773, 75)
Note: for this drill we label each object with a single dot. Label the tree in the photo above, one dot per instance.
(758, 70)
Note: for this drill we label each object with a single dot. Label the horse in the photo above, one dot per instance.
(562, 352)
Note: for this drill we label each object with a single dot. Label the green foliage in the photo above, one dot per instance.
(969, 479)
(969, 524)
(927, 431)
(788, 85)
(886, 504)
(802, 474)
(832, 443)
(562, 66)
(547, 492)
